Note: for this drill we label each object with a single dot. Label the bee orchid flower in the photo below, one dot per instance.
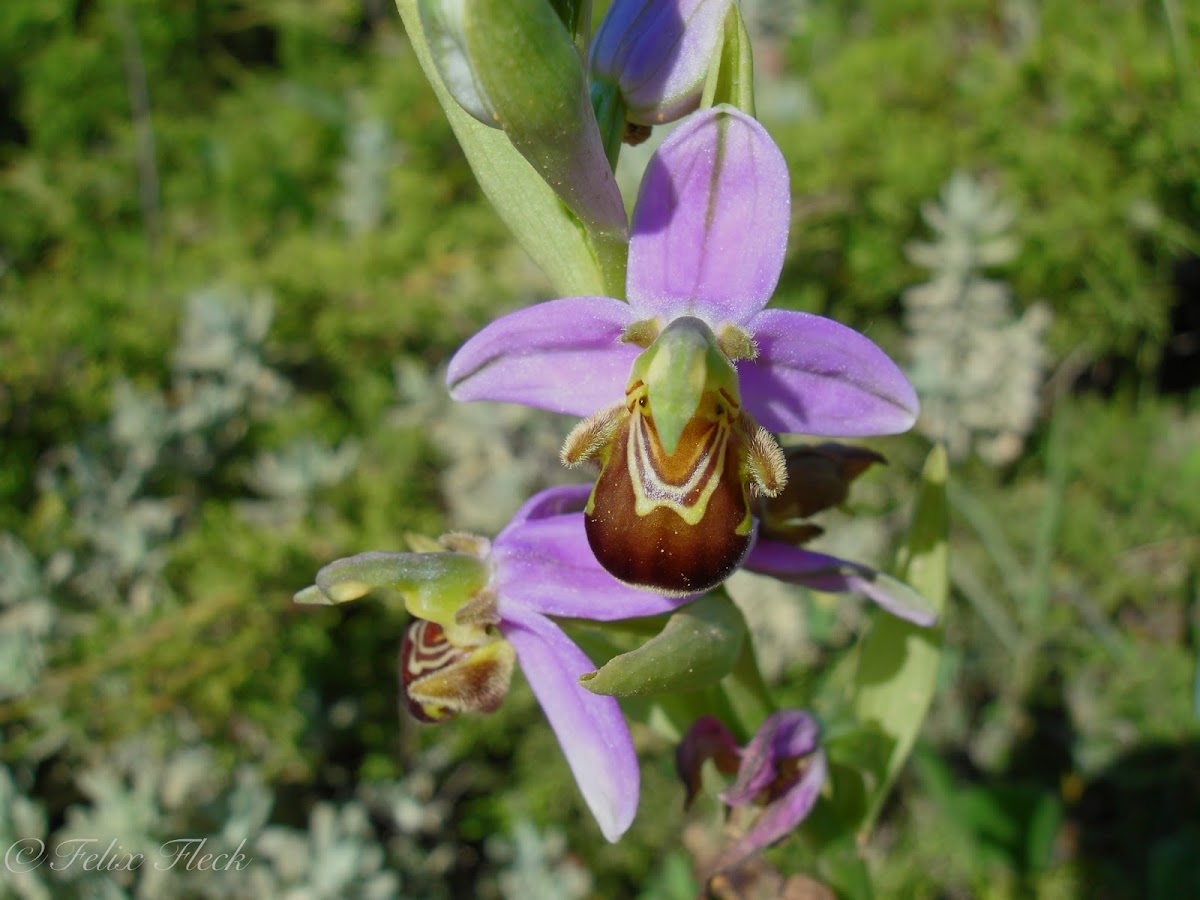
(683, 384)
(480, 605)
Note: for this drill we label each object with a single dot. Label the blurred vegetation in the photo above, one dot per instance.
(237, 241)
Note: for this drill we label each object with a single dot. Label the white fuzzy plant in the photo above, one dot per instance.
(977, 367)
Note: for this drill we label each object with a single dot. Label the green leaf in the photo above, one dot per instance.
(551, 233)
(697, 647)
(898, 663)
(1042, 832)
(731, 77)
(843, 868)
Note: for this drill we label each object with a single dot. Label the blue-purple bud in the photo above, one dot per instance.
(658, 53)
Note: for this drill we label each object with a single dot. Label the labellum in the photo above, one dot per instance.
(671, 509)
(439, 679)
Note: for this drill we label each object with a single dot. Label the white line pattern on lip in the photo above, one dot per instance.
(652, 489)
(427, 652)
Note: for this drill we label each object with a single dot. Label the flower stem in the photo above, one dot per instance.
(749, 697)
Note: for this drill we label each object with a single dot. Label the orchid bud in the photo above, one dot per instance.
(512, 64)
(656, 54)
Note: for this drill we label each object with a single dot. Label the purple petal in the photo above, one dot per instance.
(563, 355)
(659, 52)
(781, 816)
(814, 376)
(829, 573)
(711, 221)
(708, 738)
(590, 729)
(787, 734)
(555, 501)
(547, 565)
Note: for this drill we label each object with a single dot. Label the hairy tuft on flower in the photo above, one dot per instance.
(642, 334)
(462, 542)
(592, 436)
(736, 343)
(766, 460)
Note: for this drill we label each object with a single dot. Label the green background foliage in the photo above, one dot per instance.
(237, 241)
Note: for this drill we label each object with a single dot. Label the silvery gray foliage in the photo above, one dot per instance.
(220, 378)
(338, 857)
(371, 155)
(139, 799)
(221, 383)
(287, 478)
(22, 823)
(148, 803)
(977, 369)
(496, 454)
(536, 866)
(27, 616)
(118, 542)
(418, 811)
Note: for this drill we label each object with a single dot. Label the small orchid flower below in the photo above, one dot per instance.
(778, 777)
(479, 604)
(683, 385)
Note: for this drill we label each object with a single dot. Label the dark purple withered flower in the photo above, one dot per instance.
(781, 771)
